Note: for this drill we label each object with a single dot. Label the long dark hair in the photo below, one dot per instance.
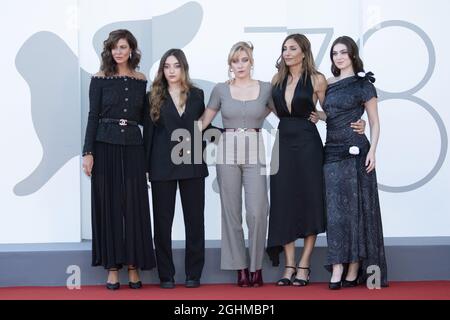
(353, 53)
(159, 90)
(308, 65)
(109, 65)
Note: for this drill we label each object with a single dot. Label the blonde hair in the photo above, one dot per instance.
(238, 47)
(308, 65)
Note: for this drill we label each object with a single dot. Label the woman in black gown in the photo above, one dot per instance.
(296, 190)
(354, 229)
(121, 230)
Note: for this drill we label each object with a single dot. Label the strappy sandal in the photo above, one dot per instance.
(301, 282)
(113, 286)
(283, 282)
(134, 285)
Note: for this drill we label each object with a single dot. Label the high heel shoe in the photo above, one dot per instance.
(351, 283)
(256, 278)
(243, 278)
(335, 285)
(134, 285)
(113, 286)
(302, 282)
(283, 282)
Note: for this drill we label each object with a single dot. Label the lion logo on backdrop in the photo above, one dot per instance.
(55, 80)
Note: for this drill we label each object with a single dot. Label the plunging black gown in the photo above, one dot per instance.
(296, 190)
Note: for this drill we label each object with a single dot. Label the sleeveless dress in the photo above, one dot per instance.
(354, 229)
(296, 190)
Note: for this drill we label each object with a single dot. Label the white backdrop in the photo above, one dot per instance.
(51, 48)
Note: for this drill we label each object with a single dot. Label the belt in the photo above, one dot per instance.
(120, 122)
(243, 129)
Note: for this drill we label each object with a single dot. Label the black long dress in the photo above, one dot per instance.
(121, 227)
(354, 229)
(296, 190)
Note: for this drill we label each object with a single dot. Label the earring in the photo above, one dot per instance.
(230, 74)
(130, 56)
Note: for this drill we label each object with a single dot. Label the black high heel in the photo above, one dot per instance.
(134, 285)
(352, 283)
(335, 285)
(301, 282)
(349, 284)
(283, 282)
(113, 286)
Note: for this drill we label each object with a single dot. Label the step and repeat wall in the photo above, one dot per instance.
(52, 47)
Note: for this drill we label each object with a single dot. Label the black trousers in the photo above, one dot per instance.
(192, 192)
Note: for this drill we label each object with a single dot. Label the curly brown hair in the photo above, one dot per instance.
(159, 89)
(109, 65)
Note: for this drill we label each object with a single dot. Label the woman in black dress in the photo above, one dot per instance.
(296, 190)
(114, 158)
(354, 229)
(175, 160)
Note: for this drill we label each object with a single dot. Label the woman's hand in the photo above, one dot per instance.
(359, 126)
(88, 163)
(370, 161)
(314, 117)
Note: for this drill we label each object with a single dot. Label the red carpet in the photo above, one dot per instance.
(424, 290)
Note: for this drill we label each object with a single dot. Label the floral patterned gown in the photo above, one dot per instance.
(354, 228)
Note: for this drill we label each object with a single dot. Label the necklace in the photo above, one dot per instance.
(175, 95)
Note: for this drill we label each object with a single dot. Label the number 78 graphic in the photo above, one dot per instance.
(407, 95)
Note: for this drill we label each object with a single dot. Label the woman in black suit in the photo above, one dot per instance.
(174, 158)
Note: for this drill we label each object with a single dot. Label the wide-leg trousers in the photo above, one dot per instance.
(192, 192)
(251, 176)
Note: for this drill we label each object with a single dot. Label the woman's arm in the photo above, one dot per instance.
(206, 118)
(95, 98)
(374, 122)
(148, 131)
(320, 87)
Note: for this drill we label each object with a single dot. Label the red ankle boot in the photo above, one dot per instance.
(243, 278)
(256, 278)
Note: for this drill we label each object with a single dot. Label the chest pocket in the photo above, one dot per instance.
(109, 97)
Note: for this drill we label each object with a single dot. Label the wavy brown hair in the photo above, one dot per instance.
(160, 87)
(308, 66)
(109, 65)
(353, 54)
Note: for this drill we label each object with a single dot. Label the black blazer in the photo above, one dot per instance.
(115, 98)
(160, 147)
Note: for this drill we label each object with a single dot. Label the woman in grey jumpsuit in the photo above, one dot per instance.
(244, 103)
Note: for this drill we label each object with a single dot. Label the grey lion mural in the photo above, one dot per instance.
(55, 80)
